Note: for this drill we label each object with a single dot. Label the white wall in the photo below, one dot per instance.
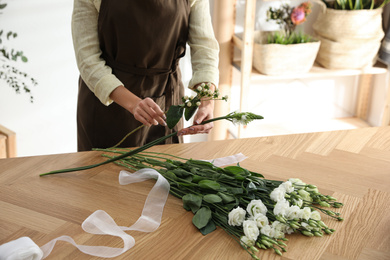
(48, 125)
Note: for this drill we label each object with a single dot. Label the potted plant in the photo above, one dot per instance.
(286, 51)
(350, 32)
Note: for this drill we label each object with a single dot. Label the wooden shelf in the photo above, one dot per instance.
(244, 42)
(316, 72)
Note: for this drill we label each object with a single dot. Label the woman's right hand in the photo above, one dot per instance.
(145, 110)
(148, 112)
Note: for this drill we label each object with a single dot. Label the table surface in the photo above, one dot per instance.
(351, 165)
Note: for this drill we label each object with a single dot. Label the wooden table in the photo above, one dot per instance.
(352, 165)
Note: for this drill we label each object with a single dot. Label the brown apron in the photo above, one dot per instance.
(142, 41)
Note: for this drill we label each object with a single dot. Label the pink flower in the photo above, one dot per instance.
(298, 15)
(307, 7)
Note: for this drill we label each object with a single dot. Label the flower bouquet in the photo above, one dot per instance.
(286, 51)
(355, 44)
(254, 211)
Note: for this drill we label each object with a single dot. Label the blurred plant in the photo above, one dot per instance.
(356, 4)
(16, 79)
(288, 18)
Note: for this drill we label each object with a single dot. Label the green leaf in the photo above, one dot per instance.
(225, 197)
(212, 198)
(170, 175)
(230, 206)
(2, 6)
(235, 191)
(192, 202)
(202, 217)
(200, 164)
(189, 112)
(174, 115)
(197, 178)
(237, 171)
(181, 172)
(210, 185)
(210, 227)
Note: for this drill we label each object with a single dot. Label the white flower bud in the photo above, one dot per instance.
(189, 104)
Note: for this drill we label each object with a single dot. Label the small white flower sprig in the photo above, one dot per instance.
(202, 91)
(191, 103)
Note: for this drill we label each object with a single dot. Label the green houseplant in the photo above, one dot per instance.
(18, 80)
(355, 44)
(286, 51)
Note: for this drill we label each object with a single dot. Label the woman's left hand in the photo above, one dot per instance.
(205, 112)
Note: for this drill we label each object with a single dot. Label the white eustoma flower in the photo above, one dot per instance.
(199, 88)
(266, 230)
(296, 181)
(277, 194)
(236, 216)
(250, 229)
(313, 190)
(261, 220)
(305, 195)
(281, 207)
(189, 104)
(297, 202)
(306, 226)
(245, 241)
(256, 207)
(276, 233)
(305, 213)
(293, 212)
(315, 215)
(287, 186)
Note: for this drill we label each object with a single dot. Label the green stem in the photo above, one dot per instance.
(124, 138)
(140, 149)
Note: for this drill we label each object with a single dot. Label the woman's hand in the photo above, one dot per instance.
(145, 110)
(205, 112)
(148, 112)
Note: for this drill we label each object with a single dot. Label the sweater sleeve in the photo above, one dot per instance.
(93, 69)
(203, 45)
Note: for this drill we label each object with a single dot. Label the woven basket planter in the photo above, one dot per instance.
(350, 39)
(279, 59)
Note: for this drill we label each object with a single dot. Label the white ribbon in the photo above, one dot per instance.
(232, 159)
(101, 223)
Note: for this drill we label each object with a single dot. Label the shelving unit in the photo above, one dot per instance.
(245, 44)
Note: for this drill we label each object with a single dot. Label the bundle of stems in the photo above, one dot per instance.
(211, 193)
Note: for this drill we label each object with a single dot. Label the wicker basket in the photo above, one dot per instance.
(279, 59)
(349, 39)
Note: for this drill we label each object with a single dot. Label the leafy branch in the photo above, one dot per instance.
(16, 79)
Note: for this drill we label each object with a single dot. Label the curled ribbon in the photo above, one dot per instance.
(101, 223)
